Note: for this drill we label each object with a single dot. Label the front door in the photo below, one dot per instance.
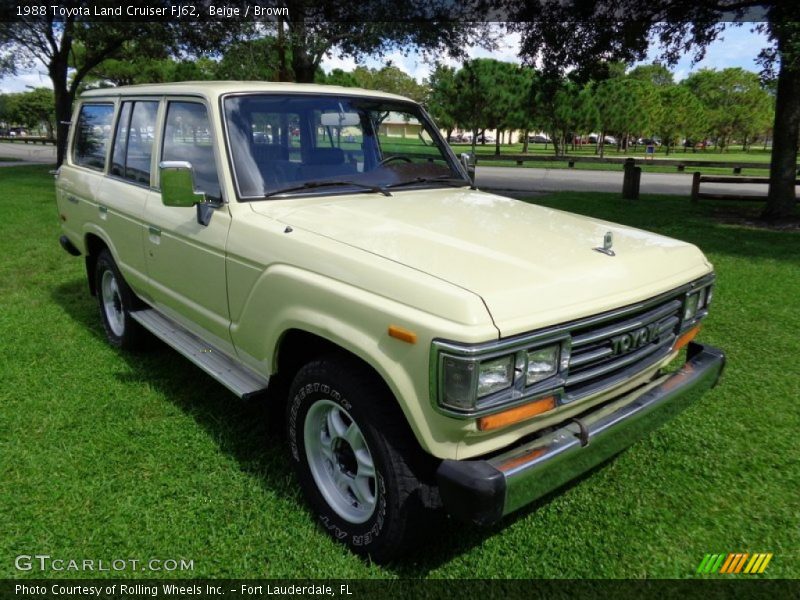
(186, 260)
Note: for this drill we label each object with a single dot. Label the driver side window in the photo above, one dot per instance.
(187, 137)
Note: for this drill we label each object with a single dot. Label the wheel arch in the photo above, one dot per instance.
(297, 346)
(94, 244)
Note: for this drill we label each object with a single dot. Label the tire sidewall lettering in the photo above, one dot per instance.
(358, 535)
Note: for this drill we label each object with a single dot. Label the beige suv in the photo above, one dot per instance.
(434, 345)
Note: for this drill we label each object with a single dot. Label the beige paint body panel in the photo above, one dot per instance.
(445, 263)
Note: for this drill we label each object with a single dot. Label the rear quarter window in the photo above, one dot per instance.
(92, 135)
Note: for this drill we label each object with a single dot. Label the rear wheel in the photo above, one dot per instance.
(116, 300)
(356, 462)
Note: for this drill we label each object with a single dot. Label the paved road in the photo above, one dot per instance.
(31, 153)
(516, 179)
(553, 180)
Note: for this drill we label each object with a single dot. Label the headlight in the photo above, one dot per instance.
(542, 363)
(690, 308)
(458, 383)
(495, 375)
(469, 383)
(695, 302)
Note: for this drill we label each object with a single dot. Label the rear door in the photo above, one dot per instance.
(130, 182)
(186, 260)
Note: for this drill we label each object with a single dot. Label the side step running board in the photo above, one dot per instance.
(238, 379)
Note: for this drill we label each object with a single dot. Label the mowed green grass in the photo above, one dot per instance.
(108, 455)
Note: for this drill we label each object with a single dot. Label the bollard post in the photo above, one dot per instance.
(695, 186)
(631, 180)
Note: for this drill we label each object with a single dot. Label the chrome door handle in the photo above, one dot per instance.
(153, 230)
(103, 211)
(71, 198)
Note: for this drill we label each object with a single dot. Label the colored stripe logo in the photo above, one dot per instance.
(735, 562)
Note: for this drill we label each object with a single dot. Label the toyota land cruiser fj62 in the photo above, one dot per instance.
(434, 346)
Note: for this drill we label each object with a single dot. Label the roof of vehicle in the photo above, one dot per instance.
(217, 88)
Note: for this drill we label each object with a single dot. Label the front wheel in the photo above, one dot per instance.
(354, 457)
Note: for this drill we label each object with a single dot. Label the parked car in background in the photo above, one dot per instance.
(649, 142)
(607, 140)
(539, 138)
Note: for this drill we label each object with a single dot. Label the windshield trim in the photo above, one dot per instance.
(448, 153)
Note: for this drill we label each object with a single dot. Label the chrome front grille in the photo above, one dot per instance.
(607, 353)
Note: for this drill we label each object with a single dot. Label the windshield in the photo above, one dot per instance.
(290, 143)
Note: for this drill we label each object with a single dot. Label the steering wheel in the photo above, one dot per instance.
(389, 159)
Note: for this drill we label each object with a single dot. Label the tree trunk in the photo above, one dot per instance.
(283, 74)
(497, 142)
(602, 142)
(525, 134)
(781, 199)
(63, 103)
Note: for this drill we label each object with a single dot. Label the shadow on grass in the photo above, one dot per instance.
(252, 432)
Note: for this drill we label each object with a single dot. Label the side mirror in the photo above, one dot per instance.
(468, 162)
(177, 189)
(177, 184)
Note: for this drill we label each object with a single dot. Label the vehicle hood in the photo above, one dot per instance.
(532, 266)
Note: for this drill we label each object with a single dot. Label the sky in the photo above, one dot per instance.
(739, 47)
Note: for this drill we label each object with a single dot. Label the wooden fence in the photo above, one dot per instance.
(679, 164)
(699, 178)
(28, 139)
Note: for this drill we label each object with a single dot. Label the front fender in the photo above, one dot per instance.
(357, 320)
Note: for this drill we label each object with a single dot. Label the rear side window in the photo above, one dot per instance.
(187, 137)
(92, 135)
(133, 142)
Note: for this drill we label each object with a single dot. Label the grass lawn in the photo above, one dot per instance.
(107, 455)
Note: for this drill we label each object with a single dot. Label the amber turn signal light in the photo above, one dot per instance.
(515, 415)
(402, 334)
(686, 338)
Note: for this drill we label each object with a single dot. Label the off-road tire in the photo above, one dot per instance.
(401, 496)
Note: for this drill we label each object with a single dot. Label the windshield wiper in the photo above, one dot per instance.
(446, 179)
(310, 185)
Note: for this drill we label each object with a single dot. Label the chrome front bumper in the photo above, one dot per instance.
(483, 491)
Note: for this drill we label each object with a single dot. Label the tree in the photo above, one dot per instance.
(137, 70)
(558, 106)
(312, 31)
(338, 77)
(389, 79)
(524, 114)
(655, 73)
(441, 97)
(486, 94)
(250, 60)
(733, 100)
(72, 47)
(33, 109)
(683, 115)
(468, 110)
(581, 35)
(53, 42)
